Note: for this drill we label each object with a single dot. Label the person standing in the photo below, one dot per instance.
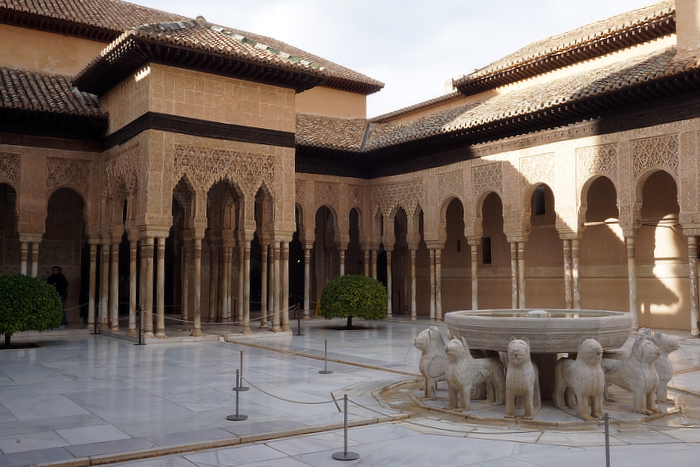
(60, 283)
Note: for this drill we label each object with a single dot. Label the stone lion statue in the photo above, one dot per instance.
(636, 373)
(433, 361)
(522, 379)
(582, 378)
(664, 367)
(464, 371)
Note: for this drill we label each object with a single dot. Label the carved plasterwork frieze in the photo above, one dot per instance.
(688, 185)
(9, 169)
(300, 191)
(450, 183)
(206, 166)
(327, 194)
(660, 152)
(405, 194)
(487, 177)
(122, 171)
(73, 172)
(356, 196)
(536, 169)
(596, 160)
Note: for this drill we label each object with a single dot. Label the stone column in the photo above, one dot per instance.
(575, 281)
(414, 312)
(263, 285)
(275, 297)
(223, 277)
(389, 282)
(114, 287)
(514, 273)
(148, 293)
(104, 284)
(432, 284)
(307, 280)
(373, 254)
(23, 250)
(632, 278)
(35, 259)
(568, 290)
(160, 288)
(284, 247)
(93, 277)
(474, 252)
(197, 260)
(521, 275)
(184, 300)
(142, 283)
(133, 245)
(438, 284)
(246, 287)
(693, 276)
(342, 250)
(366, 265)
(213, 283)
(241, 281)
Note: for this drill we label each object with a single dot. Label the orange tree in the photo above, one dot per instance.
(350, 296)
(27, 304)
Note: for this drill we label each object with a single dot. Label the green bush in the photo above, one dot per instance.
(350, 296)
(27, 304)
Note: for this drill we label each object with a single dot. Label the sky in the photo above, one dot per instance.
(412, 46)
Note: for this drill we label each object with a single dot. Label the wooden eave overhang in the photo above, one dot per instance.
(597, 47)
(52, 124)
(352, 86)
(134, 52)
(611, 111)
(57, 26)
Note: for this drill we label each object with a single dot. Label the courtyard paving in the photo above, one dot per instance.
(82, 399)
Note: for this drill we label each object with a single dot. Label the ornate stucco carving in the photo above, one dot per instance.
(540, 168)
(596, 160)
(688, 175)
(122, 171)
(9, 169)
(327, 193)
(660, 152)
(73, 172)
(487, 177)
(450, 183)
(405, 194)
(356, 196)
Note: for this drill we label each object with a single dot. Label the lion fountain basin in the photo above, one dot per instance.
(549, 332)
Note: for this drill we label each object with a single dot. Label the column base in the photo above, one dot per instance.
(148, 334)
(276, 328)
(286, 328)
(197, 333)
(161, 335)
(264, 325)
(307, 315)
(114, 329)
(246, 330)
(132, 333)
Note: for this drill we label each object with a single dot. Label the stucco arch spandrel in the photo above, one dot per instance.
(583, 197)
(390, 196)
(593, 162)
(79, 176)
(10, 169)
(121, 171)
(473, 225)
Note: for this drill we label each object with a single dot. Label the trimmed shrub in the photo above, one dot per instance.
(27, 304)
(350, 296)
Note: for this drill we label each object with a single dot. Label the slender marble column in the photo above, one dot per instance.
(114, 288)
(374, 254)
(132, 286)
(389, 284)
(263, 286)
(213, 283)
(514, 273)
(93, 278)
(568, 289)
(575, 281)
(277, 260)
(432, 284)
(521, 275)
(241, 281)
(160, 288)
(104, 285)
(229, 289)
(307, 282)
(184, 300)
(474, 252)
(438, 284)
(223, 276)
(414, 313)
(284, 277)
(246, 288)
(693, 276)
(632, 281)
(197, 260)
(142, 283)
(148, 296)
(23, 250)
(366, 265)
(272, 288)
(342, 261)
(35, 259)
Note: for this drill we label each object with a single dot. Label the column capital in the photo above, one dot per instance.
(474, 241)
(691, 230)
(25, 237)
(435, 245)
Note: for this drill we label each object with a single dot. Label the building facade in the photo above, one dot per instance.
(188, 168)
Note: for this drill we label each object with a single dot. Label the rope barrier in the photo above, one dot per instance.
(332, 401)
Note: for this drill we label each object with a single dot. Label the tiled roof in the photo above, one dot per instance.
(117, 17)
(562, 93)
(330, 132)
(595, 39)
(41, 92)
(114, 15)
(415, 107)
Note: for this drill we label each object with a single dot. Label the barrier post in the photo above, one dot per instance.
(325, 370)
(345, 455)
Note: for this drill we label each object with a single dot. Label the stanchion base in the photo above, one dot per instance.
(346, 456)
(237, 418)
(139, 344)
(326, 372)
(241, 389)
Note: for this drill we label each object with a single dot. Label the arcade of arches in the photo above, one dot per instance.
(220, 231)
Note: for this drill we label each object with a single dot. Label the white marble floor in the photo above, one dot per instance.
(81, 397)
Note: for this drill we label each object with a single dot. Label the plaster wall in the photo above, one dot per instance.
(332, 103)
(43, 51)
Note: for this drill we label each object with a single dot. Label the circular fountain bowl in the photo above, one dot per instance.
(548, 330)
